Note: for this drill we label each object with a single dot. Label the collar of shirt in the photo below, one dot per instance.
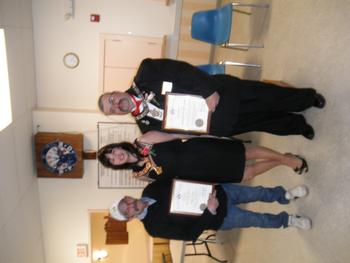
(148, 201)
(152, 111)
(138, 105)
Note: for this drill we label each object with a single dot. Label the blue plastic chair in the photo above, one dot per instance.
(219, 68)
(214, 26)
(212, 69)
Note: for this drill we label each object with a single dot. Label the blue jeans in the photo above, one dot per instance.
(240, 194)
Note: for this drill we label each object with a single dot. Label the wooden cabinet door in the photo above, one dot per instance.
(121, 56)
(116, 232)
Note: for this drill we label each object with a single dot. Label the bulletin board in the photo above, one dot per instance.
(114, 132)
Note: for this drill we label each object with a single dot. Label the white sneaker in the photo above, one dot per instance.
(299, 222)
(296, 192)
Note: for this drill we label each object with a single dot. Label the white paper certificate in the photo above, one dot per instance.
(189, 197)
(186, 112)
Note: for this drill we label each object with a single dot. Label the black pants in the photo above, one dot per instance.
(271, 108)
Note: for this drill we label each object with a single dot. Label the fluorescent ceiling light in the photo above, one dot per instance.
(5, 98)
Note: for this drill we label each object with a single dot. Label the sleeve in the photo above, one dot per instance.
(190, 233)
(148, 124)
(173, 70)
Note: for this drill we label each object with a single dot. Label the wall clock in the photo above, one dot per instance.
(71, 60)
(59, 155)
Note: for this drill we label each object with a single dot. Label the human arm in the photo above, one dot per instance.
(153, 137)
(193, 80)
(165, 226)
(162, 226)
(213, 203)
(212, 101)
(160, 223)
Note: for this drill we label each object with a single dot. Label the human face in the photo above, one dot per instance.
(117, 103)
(119, 156)
(131, 207)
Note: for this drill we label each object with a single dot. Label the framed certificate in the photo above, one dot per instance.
(189, 197)
(186, 113)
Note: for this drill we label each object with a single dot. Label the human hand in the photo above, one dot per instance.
(213, 203)
(212, 101)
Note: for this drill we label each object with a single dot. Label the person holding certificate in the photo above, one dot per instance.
(220, 212)
(236, 106)
(156, 155)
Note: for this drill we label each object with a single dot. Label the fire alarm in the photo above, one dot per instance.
(94, 18)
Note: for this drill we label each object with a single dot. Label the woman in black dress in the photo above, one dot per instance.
(201, 158)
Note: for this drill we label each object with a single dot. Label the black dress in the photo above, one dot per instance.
(200, 159)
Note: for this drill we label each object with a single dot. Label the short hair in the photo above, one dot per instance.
(100, 102)
(127, 146)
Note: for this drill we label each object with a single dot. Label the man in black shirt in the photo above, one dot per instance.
(237, 106)
(221, 213)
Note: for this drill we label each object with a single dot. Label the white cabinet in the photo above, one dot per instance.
(120, 57)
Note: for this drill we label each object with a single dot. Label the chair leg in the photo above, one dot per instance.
(243, 47)
(241, 11)
(231, 63)
(251, 5)
(248, 5)
(204, 241)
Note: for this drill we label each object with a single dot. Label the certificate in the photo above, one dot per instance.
(186, 113)
(189, 197)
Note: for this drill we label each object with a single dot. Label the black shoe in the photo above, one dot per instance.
(320, 101)
(304, 168)
(309, 132)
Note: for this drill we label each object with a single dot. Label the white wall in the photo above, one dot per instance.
(20, 219)
(60, 87)
(65, 202)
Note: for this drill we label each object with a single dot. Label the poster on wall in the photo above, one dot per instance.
(114, 132)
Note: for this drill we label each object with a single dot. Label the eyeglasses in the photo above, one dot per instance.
(112, 102)
(111, 99)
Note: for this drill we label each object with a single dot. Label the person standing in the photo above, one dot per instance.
(237, 106)
(221, 213)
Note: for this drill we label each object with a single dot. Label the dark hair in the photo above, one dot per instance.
(127, 146)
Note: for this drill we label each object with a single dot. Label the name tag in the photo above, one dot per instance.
(166, 87)
(154, 112)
